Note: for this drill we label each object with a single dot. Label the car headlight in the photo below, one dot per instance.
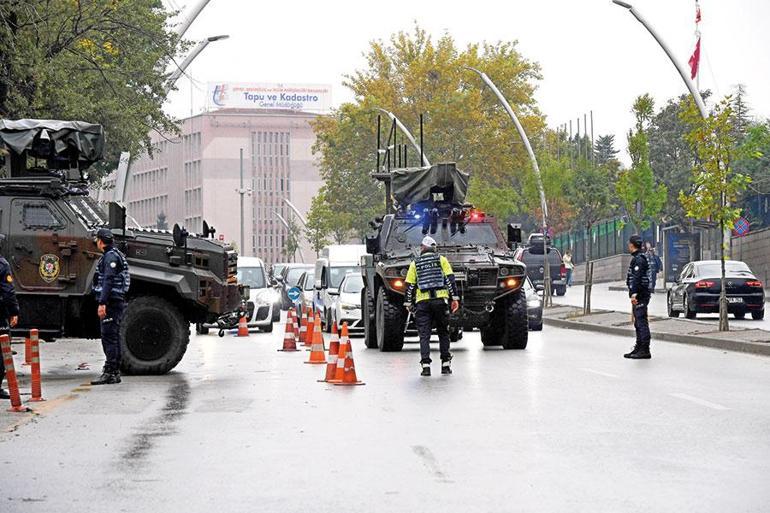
(349, 306)
(533, 303)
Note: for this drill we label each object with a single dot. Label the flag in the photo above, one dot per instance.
(697, 12)
(695, 60)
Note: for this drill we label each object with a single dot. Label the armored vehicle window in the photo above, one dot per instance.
(88, 211)
(40, 216)
(410, 235)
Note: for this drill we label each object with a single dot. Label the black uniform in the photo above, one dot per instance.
(638, 282)
(111, 284)
(9, 307)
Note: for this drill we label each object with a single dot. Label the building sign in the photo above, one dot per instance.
(242, 95)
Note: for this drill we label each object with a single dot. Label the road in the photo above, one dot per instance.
(565, 425)
(605, 299)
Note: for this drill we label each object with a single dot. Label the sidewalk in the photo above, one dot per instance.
(683, 331)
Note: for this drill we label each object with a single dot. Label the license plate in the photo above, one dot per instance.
(735, 300)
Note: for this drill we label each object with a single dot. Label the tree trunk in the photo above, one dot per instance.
(723, 323)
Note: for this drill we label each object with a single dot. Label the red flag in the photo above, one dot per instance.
(697, 12)
(695, 60)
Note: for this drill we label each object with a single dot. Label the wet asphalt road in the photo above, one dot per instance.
(566, 425)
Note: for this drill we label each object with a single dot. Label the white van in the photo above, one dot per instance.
(262, 295)
(331, 267)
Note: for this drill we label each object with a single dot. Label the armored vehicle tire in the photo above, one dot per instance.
(200, 329)
(154, 336)
(490, 337)
(536, 327)
(515, 327)
(370, 330)
(389, 323)
(561, 290)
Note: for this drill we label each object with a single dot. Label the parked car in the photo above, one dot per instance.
(532, 256)
(306, 284)
(347, 305)
(331, 267)
(698, 287)
(288, 279)
(534, 306)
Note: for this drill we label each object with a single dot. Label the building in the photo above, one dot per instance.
(196, 176)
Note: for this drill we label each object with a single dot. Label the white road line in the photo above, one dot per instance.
(600, 373)
(702, 402)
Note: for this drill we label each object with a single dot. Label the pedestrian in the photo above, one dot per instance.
(111, 284)
(568, 265)
(638, 282)
(655, 264)
(430, 293)
(9, 310)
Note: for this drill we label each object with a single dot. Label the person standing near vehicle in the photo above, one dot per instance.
(568, 265)
(638, 282)
(9, 311)
(111, 284)
(655, 264)
(430, 293)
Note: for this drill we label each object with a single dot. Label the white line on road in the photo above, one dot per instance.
(702, 402)
(600, 373)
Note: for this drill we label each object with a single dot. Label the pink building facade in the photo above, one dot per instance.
(196, 177)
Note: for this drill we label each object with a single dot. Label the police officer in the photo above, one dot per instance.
(430, 286)
(111, 284)
(638, 282)
(9, 310)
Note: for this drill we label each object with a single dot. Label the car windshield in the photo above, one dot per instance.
(278, 269)
(294, 274)
(410, 235)
(337, 273)
(309, 279)
(537, 258)
(354, 284)
(254, 277)
(714, 270)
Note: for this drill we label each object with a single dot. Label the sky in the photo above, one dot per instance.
(594, 55)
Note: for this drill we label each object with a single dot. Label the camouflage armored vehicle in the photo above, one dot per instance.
(431, 200)
(48, 220)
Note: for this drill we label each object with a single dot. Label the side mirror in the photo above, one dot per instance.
(334, 292)
(514, 234)
(372, 244)
(540, 287)
(278, 279)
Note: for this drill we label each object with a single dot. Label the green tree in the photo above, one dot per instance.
(412, 74)
(95, 61)
(291, 245)
(604, 149)
(716, 186)
(639, 194)
(318, 228)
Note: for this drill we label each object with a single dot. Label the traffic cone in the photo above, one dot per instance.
(243, 327)
(289, 341)
(37, 392)
(10, 375)
(295, 321)
(317, 353)
(339, 372)
(310, 327)
(303, 326)
(349, 377)
(334, 349)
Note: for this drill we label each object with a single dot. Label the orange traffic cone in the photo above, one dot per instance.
(310, 327)
(317, 355)
(349, 377)
(334, 349)
(295, 321)
(303, 327)
(339, 372)
(243, 327)
(37, 392)
(289, 341)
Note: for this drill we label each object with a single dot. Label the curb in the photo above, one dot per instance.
(714, 343)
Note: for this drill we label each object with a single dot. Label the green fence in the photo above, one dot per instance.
(607, 238)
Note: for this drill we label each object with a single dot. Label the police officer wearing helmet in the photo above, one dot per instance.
(638, 282)
(111, 284)
(430, 287)
(9, 310)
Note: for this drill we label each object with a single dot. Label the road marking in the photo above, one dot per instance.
(702, 402)
(600, 373)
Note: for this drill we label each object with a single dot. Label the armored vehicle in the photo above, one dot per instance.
(49, 222)
(431, 200)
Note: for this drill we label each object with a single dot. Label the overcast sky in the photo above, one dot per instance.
(594, 55)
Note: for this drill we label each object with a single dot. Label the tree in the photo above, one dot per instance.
(604, 149)
(716, 186)
(410, 75)
(292, 243)
(641, 197)
(95, 61)
(317, 230)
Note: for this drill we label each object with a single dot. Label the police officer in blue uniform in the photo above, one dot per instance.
(638, 282)
(9, 310)
(111, 284)
(430, 293)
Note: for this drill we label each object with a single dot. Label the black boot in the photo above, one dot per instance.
(641, 352)
(108, 377)
(425, 369)
(446, 366)
(4, 394)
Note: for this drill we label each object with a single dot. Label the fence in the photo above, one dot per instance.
(607, 238)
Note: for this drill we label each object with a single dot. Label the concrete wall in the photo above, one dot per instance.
(754, 249)
(608, 269)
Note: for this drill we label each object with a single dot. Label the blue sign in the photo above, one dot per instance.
(741, 227)
(294, 293)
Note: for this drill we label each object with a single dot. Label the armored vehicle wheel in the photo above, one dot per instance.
(154, 336)
(490, 337)
(370, 330)
(389, 322)
(200, 329)
(515, 330)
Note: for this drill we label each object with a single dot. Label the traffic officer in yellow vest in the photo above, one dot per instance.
(430, 293)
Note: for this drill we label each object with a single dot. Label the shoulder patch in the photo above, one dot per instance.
(9, 278)
(113, 265)
(636, 268)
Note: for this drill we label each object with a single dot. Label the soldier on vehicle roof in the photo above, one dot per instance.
(430, 286)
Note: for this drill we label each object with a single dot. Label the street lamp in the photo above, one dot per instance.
(179, 71)
(288, 229)
(296, 212)
(677, 64)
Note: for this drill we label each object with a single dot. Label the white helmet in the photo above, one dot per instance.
(428, 242)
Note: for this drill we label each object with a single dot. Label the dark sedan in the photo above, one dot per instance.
(288, 278)
(698, 287)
